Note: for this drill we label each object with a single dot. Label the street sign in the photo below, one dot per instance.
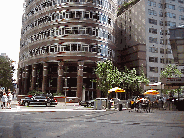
(154, 87)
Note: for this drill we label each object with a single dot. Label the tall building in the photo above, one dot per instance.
(61, 41)
(143, 34)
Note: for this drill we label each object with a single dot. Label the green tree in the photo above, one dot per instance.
(131, 81)
(108, 76)
(170, 71)
(6, 72)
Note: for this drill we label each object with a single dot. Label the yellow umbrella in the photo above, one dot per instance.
(151, 92)
(116, 89)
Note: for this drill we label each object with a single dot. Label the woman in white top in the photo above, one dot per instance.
(9, 100)
(4, 99)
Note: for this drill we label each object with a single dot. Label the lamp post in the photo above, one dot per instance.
(65, 90)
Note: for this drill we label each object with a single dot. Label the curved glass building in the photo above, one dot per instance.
(61, 41)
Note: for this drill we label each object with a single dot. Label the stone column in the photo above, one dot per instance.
(45, 73)
(59, 79)
(80, 79)
(33, 82)
(26, 80)
(23, 81)
(20, 81)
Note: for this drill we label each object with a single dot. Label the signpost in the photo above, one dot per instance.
(65, 90)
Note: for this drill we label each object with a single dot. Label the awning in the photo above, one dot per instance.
(116, 89)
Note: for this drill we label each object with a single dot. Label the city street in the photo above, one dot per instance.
(110, 124)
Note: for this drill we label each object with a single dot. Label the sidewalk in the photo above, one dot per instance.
(59, 107)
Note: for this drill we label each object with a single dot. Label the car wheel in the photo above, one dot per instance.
(47, 104)
(26, 104)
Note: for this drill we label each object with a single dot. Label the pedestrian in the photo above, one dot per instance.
(9, 100)
(4, 99)
(13, 93)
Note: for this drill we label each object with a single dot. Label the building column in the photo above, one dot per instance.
(26, 80)
(45, 73)
(80, 79)
(59, 79)
(20, 81)
(33, 82)
(23, 81)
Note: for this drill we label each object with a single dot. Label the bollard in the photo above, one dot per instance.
(109, 105)
(120, 107)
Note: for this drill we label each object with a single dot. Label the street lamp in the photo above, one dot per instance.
(65, 90)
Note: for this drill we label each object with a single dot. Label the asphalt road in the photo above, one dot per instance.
(78, 124)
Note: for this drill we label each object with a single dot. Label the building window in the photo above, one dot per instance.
(161, 32)
(153, 69)
(181, 1)
(151, 3)
(169, 6)
(160, 5)
(168, 51)
(153, 49)
(161, 23)
(160, 14)
(153, 59)
(167, 32)
(173, 24)
(167, 23)
(152, 30)
(162, 60)
(153, 79)
(152, 21)
(162, 69)
(152, 12)
(182, 71)
(162, 41)
(161, 51)
(181, 17)
(169, 60)
(152, 40)
(181, 9)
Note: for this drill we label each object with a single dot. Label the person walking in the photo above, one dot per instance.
(9, 100)
(4, 99)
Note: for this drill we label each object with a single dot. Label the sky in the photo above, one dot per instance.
(10, 26)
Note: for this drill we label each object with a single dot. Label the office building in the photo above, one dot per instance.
(61, 41)
(143, 34)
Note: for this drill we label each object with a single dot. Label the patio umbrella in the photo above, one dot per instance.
(151, 92)
(116, 89)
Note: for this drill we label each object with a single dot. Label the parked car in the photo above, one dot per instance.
(25, 101)
(90, 103)
(38, 100)
(83, 103)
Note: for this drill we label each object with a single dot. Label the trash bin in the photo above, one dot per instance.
(120, 107)
(109, 105)
(129, 104)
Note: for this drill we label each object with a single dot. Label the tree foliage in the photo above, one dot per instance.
(131, 81)
(170, 71)
(6, 72)
(108, 76)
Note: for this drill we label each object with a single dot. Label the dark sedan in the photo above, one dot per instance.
(39, 100)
